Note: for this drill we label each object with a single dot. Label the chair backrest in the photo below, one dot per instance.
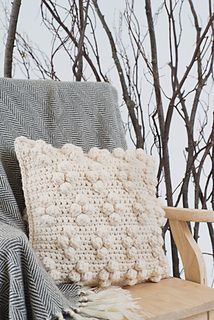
(85, 114)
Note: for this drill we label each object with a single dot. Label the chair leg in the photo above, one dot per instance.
(211, 315)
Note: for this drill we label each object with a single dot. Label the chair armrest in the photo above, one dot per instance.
(186, 214)
(193, 262)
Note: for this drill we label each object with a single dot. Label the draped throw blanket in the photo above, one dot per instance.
(85, 114)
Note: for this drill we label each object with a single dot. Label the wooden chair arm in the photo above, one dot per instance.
(186, 214)
(193, 262)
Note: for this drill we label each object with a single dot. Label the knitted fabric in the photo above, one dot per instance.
(93, 218)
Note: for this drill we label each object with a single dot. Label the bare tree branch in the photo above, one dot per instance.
(8, 55)
(129, 102)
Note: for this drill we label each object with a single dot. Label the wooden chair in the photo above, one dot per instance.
(170, 299)
(176, 299)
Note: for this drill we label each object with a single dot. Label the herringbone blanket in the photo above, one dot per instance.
(84, 114)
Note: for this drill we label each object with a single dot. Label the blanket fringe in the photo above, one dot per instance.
(113, 303)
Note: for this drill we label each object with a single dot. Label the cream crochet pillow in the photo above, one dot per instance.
(93, 218)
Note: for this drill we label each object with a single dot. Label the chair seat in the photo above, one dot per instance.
(174, 299)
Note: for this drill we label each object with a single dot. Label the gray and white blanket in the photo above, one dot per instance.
(85, 114)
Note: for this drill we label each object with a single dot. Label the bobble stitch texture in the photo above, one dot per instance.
(75, 210)
(68, 230)
(127, 242)
(74, 276)
(131, 252)
(64, 166)
(47, 220)
(70, 253)
(92, 176)
(114, 219)
(82, 267)
(108, 242)
(58, 178)
(93, 217)
(75, 242)
(102, 253)
(118, 153)
(52, 211)
(87, 277)
(88, 209)
(82, 220)
(97, 243)
(103, 275)
(71, 177)
(122, 176)
(99, 186)
(112, 266)
(131, 274)
(107, 208)
(49, 263)
(40, 211)
(63, 242)
(115, 276)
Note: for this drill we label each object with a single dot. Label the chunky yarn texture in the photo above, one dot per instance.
(93, 218)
